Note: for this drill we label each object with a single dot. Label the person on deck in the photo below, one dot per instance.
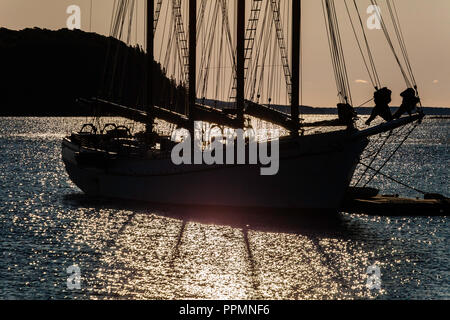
(347, 115)
(382, 99)
(409, 103)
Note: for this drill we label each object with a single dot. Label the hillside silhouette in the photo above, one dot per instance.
(43, 72)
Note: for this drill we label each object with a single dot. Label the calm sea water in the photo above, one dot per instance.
(127, 250)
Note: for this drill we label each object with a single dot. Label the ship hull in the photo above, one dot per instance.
(314, 173)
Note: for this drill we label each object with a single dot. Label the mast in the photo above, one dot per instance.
(296, 28)
(150, 59)
(240, 49)
(192, 57)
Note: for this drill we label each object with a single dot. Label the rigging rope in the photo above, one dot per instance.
(393, 153)
(374, 73)
(401, 39)
(255, 86)
(390, 43)
(393, 179)
(372, 80)
(337, 51)
(279, 35)
(266, 47)
(374, 158)
(377, 153)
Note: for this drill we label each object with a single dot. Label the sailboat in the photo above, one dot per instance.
(315, 170)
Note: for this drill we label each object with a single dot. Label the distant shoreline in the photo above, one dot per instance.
(431, 112)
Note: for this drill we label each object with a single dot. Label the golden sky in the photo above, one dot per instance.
(426, 27)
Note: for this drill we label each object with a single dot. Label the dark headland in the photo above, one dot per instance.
(43, 72)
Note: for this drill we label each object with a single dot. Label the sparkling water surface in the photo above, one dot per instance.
(130, 250)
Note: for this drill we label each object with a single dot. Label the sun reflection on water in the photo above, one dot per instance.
(151, 256)
(131, 251)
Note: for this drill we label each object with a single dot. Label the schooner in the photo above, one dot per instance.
(315, 170)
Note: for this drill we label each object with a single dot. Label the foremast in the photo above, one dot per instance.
(148, 94)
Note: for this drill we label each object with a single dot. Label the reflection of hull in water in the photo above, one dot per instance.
(314, 173)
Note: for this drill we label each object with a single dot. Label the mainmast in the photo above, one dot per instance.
(192, 58)
(296, 28)
(150, 58)
(240, 65)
